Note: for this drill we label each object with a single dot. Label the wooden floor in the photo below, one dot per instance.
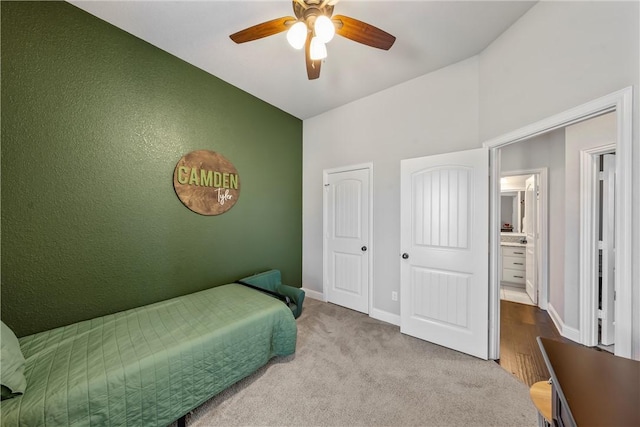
(520, 324)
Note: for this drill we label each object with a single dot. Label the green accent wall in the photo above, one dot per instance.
(94, 121)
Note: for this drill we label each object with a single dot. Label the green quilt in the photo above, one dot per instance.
(150, 365)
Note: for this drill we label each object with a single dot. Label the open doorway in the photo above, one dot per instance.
(523, 202)
(580, 197)
(562, 296)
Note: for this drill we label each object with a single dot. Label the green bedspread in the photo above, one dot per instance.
(151, 365)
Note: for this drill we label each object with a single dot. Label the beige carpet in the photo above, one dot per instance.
(351, 370)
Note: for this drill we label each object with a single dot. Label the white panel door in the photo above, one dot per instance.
(531, 233)
(445, 244)
(608, 249)
(347, 239)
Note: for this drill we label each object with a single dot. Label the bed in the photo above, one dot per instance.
(151, 365)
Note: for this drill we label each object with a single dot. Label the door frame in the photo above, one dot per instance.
(622, 103)
(325, 228)
(589, 181)
(543, 231)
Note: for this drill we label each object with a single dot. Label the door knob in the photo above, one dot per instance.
(363, 249)
(405, 255)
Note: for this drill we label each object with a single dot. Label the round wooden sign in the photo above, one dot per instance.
(206, 182)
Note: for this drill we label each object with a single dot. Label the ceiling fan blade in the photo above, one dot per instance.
(313, 67)
(362, 32)
(265, 29)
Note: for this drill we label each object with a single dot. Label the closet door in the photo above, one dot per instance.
(347, 252)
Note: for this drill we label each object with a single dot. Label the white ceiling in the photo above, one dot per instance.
(429, 35)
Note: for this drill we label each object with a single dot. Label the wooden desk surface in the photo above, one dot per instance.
(599, 388)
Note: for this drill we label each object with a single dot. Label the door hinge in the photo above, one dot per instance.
(601, 176)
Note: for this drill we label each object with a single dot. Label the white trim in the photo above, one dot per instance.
(588, 251)
(621, 102)
(583, 112)
(376, 313)
(555, 317)
(310, 293)
(588, 268)
(570, 333)
(543, 209)
(370, 244)
(566, 331)
(359, 166)
(625, 341)
(385, 316)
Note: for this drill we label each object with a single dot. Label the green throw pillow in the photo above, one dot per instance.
(11, 364)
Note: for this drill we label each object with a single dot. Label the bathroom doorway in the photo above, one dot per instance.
(523, 240)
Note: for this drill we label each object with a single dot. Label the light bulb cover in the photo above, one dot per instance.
(324, 29)
(297, 35)
(317, 50)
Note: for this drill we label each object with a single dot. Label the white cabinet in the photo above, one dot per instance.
(513, 264)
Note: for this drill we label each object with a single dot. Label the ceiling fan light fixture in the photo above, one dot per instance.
(317, 50)
(314, 25)
(324, 28)
(297, 35)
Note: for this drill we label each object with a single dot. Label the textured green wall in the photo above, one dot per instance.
(94, 121)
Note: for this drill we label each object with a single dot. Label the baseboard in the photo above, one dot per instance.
(313, 294)
(566, 331)
(385, 316)
(571, 333)
(382, 315)
(555, 317)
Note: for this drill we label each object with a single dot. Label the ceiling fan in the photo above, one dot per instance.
(312, 27)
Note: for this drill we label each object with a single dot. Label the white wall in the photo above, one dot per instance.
(557, 56)
(546, 151)
(432, 114)
(557, 221)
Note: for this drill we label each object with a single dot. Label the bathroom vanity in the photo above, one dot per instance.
(513, 263)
